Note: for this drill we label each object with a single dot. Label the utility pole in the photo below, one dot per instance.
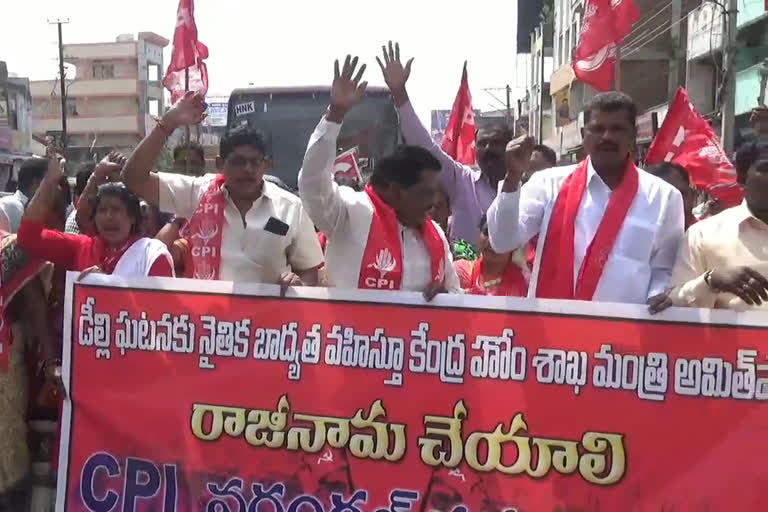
(677, 62)
(63, 84)
(186, 128)
(728, 96)
(509, 104)
(763, 70)
(542, 56)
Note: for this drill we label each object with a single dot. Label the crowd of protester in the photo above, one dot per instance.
(518, 225)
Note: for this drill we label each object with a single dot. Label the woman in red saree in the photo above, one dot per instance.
(29, 359)
(26, 350)
(117, 247)
(503, 275)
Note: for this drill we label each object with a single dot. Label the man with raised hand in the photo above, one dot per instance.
(608, 231)
(470, 191)
(381, 238)
(241, 227)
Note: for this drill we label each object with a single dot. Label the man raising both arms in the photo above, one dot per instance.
(241, 228)
(470, 191)
(381, 238)
(609, 231)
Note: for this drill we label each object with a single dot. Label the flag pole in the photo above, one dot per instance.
(617, 67)
(186, 129)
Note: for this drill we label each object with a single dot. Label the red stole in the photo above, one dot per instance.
(530, 252)
(382, 265)
(323, 240)
(203, 233)
(511, 284)
(557, 259)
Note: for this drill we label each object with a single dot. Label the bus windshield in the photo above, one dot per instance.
(287, 118)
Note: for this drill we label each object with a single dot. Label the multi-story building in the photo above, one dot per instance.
(540, 98)
(652, 67)
(704, 56)
(111, 98)
(705, 59)
(16, 141)
(534, 45)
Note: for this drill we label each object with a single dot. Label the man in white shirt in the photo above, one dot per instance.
(12, 207)
(607, 231)
(240, 227)
(723, 261)
(381, 238)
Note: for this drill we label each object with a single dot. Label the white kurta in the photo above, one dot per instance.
(345, 217)
(641, 261)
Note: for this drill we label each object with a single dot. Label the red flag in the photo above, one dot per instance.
(687, 139)
(597, 69)
(346, 165)
(606, 21)
(604, 26)
(188, 54)
(459, 139)
(625, 14)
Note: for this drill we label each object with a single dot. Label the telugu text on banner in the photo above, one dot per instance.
(208, 396)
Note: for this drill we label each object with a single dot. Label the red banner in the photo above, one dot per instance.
(195, 397)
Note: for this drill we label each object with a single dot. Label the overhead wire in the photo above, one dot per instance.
(642, 23)
(648, 36)
(648, 41)
(638, 36)
(639, 26)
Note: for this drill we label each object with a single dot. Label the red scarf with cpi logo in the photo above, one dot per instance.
(556, 271)
(382, 266)
(203, 234)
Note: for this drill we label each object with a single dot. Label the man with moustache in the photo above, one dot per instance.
(381, 238)
(608, 231)
(469, 190)
(241, 227)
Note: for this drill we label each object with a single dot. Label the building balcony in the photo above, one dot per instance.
(750, 11)
(99, 51)
(84, 125)
(82, 88)
(747, 89)
(705, 31)
(561, 78)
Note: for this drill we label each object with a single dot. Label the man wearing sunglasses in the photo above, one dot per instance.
(240, 227)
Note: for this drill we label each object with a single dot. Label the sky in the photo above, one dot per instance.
(285, 43)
